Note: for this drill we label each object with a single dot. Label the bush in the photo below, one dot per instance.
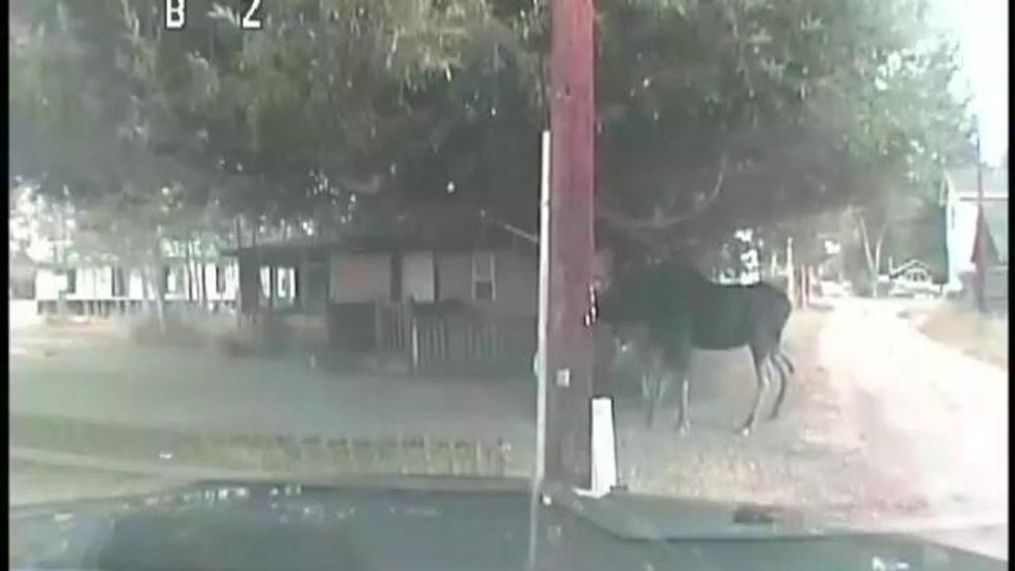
(269, 335)
(231, 345)
(177, 332)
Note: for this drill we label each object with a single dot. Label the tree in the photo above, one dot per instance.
(714, 114)
(810, 105)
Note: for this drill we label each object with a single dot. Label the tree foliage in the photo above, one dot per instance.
(711, 114)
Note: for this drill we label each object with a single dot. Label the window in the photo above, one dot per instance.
(172, 279)
(284, 283)
(483, 277)
(266, 282)
(220, 278)
(119, 282)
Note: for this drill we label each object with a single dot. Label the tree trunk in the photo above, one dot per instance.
(877, 254)
(202, 272)
(160, 300)
(871, 252)
(190, 270)
(160, 284)
(203, 283)
(145, 298)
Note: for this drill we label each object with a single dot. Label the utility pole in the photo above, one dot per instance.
(980, 250)
(571, 249)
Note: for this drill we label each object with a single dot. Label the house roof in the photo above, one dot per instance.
(459, 233)
(908, 265)
(997, 227)
(963, 182)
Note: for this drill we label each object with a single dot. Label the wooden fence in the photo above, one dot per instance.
(450, 345)
(445, 338)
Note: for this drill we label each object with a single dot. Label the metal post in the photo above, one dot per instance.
(569, 343)
(541, 332)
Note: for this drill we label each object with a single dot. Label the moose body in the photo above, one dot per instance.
(665, 311)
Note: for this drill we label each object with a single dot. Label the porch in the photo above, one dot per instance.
(397, 310)
(439, 338)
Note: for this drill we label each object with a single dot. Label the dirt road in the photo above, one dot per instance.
(932, 421)
(883, 427)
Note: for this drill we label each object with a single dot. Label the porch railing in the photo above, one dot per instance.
(471, 344)
(392, 323)
(443, 338)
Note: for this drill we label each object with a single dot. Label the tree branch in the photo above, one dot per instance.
(659, 222)
(511, 229)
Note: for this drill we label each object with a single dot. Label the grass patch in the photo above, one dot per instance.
(979, 336)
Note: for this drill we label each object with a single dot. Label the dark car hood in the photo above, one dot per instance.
(435, 524)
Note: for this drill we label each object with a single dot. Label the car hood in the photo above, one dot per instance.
(446, 524)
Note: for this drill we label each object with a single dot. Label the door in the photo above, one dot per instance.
(418, 276)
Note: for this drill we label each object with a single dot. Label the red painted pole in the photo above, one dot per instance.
(979, 249)
(570, 350)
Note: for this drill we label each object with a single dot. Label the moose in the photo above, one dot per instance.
(663, 311)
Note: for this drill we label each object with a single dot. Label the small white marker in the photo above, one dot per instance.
(564, 378)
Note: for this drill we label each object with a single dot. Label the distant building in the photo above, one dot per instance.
(960, 197)
(106, 288)
(21, 276)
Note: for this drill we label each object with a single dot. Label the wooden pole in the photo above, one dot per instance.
(569, 343)
(980, 249)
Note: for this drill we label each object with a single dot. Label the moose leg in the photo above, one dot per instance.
(775, 363)
(654, 402)
(759, 394)
(787, 365)
(683, 418)
(681, 365)
(650, 384)
(664, 386)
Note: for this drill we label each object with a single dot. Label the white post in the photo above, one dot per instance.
(543, 322)
(604, 453)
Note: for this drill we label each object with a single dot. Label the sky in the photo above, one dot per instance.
(981, 27)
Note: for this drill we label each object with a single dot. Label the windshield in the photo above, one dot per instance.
(739, 252)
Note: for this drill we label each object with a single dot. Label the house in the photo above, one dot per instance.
(102, 287)
(911, 270)
(457, 295)
(960, 197)
(911, 278)
(21, 275)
